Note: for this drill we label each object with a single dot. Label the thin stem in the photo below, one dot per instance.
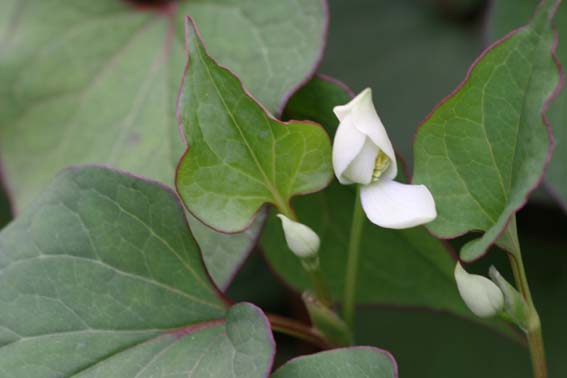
(349, 299)
(534, 333)
(298, 330)
(318, 282)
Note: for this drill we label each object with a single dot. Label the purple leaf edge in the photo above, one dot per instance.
(544, 108)
(190, 24)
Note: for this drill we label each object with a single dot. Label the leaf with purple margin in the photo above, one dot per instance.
(355, 362)
(484, 149)
(407, 268)
(507, 15)
(96, 82)
(239, 157)
(100, 277)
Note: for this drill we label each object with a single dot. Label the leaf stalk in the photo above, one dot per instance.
(533, 329)
(294, 328)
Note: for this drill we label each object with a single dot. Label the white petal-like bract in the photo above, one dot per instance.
(391, 204)
(347, 145)
(361, 114)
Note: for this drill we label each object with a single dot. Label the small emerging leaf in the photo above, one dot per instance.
(239, 157)
(327, 322)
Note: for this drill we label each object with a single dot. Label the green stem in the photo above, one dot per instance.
(534, 333)
(292, 327)
(349, 299)
(318, 282)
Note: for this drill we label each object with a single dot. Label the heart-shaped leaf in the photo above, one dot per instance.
(96, 82)
(483, 149)
(398, 267)
(507, 15)
(355, 362)
(239, 156)
(101, 277)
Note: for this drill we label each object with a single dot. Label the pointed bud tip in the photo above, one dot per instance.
(482, 296)
(301, 240)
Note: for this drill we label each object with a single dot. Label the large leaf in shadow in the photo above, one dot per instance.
(506, 16)
(96, 82)
(239, 157)
(101, 277)
(483, 149)
(398, 267)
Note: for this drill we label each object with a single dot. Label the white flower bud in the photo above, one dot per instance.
(301, 240)
(481, 295)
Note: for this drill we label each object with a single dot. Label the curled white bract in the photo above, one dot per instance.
(480, 294)
(363, 154)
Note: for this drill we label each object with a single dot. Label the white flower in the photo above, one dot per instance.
(301, 240)
(481, 295)
(363, 154)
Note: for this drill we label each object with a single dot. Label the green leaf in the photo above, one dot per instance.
(355, 362)
(507, 15)
(89, 81)
(96, 82)
(272, 45)
(239, 157)
(101, 277)
(398, 267)
(483, 149)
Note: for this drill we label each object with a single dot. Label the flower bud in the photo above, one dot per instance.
(301, 240)
(481, 295)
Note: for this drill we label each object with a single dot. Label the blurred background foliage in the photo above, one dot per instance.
(413, 53)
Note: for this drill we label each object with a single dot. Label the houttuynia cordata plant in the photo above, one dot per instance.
(190, 197)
